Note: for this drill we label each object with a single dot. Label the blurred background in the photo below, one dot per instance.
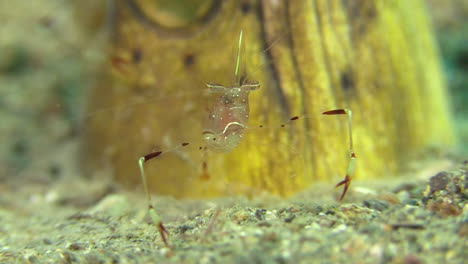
(55, 55)
(53, 52)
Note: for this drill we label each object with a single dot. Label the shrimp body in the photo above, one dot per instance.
(228, 117)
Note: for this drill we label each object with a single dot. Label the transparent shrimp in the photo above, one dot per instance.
(227, 121)
(228, 118)
(229, 115)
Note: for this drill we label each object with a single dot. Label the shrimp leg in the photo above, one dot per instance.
(151, 211)
(352, 156)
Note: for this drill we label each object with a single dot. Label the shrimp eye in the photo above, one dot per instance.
(209, 136)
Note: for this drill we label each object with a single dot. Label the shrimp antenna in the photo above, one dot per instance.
(236, 72)
(352, 157)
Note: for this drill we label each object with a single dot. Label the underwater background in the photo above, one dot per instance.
(55, 208)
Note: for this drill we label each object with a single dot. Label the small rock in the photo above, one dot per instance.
(260, 214)
(439, 181)
(77, 246)
(403, 195)
(324, 222)
(379, 205)
(113, 205)
(289, 218)
(443, 208)
(184, 228)
(411, 259)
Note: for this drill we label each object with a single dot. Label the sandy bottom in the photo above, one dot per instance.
(74, 220)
